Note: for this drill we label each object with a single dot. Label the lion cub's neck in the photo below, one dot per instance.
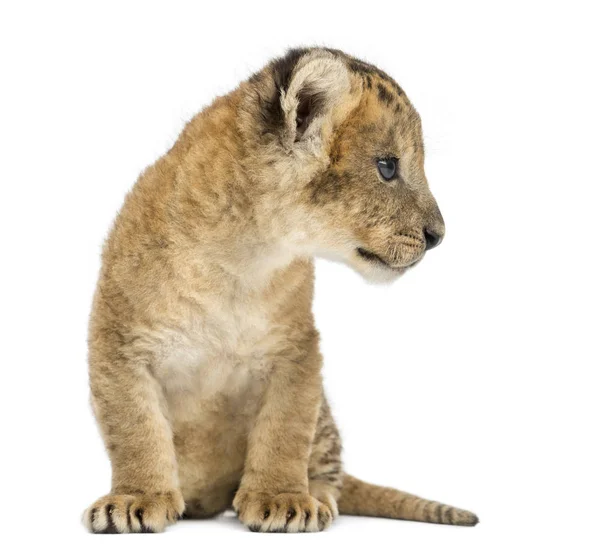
(211, 201)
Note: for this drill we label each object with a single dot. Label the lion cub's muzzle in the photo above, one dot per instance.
(405, 249)
(401, 252)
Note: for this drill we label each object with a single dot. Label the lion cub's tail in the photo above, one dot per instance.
(363, 499)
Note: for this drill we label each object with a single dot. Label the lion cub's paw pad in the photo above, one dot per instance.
(282, 513)
(135, 513)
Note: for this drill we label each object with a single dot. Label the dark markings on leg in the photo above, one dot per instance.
(334, 471)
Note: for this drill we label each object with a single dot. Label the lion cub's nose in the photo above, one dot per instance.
(432, 238)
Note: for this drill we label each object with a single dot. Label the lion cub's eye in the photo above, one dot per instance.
(387, 167)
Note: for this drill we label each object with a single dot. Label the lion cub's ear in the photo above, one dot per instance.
(317, 86)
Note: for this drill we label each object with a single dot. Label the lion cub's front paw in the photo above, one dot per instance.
(282, 513)
(135, 513)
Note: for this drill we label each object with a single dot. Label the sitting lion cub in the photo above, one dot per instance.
(205, 369)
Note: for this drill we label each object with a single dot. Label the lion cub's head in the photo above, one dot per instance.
(344, 145)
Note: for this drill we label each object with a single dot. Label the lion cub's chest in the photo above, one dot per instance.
(216, 362)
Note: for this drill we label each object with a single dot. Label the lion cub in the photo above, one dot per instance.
(205, 369)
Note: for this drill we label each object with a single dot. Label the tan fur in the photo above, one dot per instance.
(205, 369)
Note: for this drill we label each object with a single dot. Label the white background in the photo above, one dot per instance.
(473, 380)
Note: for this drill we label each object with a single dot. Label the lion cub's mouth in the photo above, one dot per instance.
(373, 257)
(376, 259)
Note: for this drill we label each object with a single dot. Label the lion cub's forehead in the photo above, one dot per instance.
(385, 108)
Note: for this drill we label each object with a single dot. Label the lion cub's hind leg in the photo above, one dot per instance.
(325, 474)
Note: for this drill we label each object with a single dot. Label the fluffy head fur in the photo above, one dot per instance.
(324, 119)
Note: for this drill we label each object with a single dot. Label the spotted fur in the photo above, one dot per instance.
(205, 370)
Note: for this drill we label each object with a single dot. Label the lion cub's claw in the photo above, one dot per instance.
(282, 513)
(139, 513)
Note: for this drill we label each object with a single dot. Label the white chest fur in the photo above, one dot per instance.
(218, 354)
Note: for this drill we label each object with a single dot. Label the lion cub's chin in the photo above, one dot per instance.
(375, 273)
(372, 271)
